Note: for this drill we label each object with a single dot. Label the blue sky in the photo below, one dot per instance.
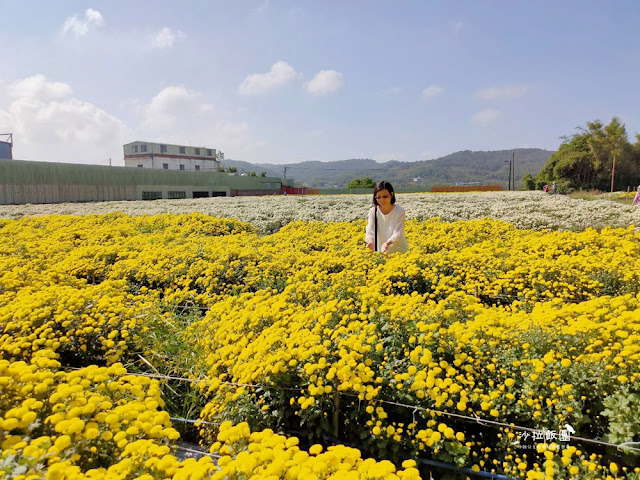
(271, 81)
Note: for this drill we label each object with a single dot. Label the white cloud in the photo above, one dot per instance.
(279, 74)
(485, 117)
(166, 38)
(234, 138)
(171, 100)
(6, 122)
(326, 81)
(50, 125)
(431, 91)
(37, 86)
(499, 92)
(81, 26)
(170, 106)
(181, 116)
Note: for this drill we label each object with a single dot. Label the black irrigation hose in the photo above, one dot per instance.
(476, 420)
(466, 470)
(422, 460)
(436, 463)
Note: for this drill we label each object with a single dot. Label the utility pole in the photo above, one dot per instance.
(613, 171)
(513, 169)
(510, 166)
(285, 172)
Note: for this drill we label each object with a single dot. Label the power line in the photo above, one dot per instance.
(199, 422)
(197, 452)
(481, 421)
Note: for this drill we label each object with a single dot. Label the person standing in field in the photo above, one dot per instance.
(554, 188)
(636, 199)
(387, 220)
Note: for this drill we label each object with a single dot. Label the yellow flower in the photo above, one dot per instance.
(315, 449)
(62, 442)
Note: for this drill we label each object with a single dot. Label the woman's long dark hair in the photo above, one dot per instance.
(383, 186)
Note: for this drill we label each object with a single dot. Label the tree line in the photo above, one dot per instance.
(597, 157)
(361, 183)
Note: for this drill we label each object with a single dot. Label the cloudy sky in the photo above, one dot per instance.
(285, 81)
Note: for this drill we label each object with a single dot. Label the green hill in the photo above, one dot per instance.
(460, 167)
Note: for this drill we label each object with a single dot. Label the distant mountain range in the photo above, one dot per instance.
(461, 167)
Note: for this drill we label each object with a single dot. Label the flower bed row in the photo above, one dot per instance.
(101, 423)
(479, 320)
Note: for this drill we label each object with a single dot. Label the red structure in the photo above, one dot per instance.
(294, 190)
(467, 188)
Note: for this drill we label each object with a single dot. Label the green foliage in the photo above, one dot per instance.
(586, 159)
(565, 187)
(361, 183)
(167, 349)
(528, 182)
(623, 411)
(232, 169)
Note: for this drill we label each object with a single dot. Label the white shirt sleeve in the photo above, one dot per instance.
(370, 231)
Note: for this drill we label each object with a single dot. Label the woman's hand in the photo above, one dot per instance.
(385, 247)
(370, 246)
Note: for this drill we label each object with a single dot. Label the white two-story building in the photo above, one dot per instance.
(165, 156)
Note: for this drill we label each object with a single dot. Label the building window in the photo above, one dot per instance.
(182, 149)
(134, 149)
(177, 195)
(197, 168)
(209, 152)
(197, 151)
(181, 166)
(140, 165)
(151, 195)
(165, 166)
(143, 148)
(163, 149)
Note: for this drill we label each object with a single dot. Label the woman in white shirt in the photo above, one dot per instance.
(390, 221)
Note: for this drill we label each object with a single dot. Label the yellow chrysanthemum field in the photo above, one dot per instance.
(486, 348)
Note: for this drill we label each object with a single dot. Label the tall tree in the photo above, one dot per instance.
(572, 164)
(598, 156)
(528, 182)
(607, 144)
